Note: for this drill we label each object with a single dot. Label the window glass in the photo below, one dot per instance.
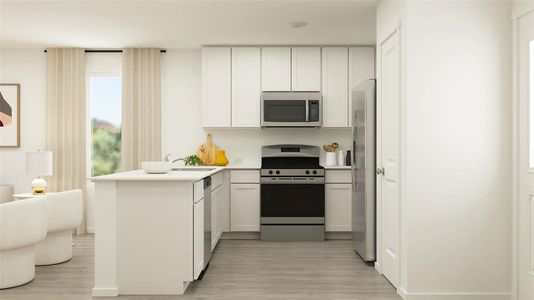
(105, 94)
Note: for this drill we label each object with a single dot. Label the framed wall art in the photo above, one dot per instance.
(9, 115)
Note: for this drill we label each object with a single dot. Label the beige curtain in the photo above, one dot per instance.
(65, 119)
(141, 107)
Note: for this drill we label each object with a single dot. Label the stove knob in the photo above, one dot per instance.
(277, 172)
(314, 172)
(270, 172)
(307, 172)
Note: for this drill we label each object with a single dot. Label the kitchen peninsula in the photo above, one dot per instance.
(144, 242)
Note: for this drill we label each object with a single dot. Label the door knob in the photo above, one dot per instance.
(380, 171)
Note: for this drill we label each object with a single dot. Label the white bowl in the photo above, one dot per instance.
(156, 167)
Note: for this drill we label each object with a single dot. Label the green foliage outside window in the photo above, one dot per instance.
(106, 148)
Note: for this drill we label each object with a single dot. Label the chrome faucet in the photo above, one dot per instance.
(169, 155)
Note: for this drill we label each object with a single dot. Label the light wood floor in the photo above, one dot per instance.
(239, 269)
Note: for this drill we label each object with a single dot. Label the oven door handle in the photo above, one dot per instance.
(289, 180)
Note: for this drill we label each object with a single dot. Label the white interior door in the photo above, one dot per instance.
(388, 138)
(526, 157)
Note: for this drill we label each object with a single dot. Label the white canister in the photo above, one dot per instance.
(341, 158)
(330, 159)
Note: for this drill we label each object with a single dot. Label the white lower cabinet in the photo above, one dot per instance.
(338, 207)
(216, 208)
(198, 238)
(225, 202)
(245, 207)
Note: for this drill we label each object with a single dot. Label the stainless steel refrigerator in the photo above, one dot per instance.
(363, 169)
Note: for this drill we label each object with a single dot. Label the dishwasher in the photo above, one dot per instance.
(202, 230)
(207, 222)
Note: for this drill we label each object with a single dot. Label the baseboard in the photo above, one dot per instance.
(378, 267)
(453, 296)
(105, 292)
(338, 235)
(255, 235)
(251, 235)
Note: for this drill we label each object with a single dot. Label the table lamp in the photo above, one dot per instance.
(39, 163)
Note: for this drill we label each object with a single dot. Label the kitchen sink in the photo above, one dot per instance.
(193, 169)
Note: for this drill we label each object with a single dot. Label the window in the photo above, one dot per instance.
(105, 94)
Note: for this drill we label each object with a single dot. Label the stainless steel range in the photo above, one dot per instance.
(292, 194)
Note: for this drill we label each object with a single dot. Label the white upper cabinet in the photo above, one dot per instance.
(335, 87)
(306, 69)
(361, 67)
(216, 87)
(276, 69)
(246, 90)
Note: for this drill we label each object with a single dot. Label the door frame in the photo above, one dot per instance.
(391, 29)
(517, 13)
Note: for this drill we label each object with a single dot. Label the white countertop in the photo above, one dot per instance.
(172, 175)
(184, 175)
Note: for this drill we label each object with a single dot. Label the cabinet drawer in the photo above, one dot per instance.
(198, 190)
(245, 176)
(338, 176)
(216, 180)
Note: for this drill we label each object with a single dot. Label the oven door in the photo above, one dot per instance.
(292, 203)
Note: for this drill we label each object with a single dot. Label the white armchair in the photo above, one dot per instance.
(22, 225)
(64, 212)
(6, 193)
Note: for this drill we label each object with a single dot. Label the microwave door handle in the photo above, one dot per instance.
(307, 110)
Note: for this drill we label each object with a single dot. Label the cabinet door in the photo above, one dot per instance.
(216, 87)
(361, 67)
(225, 202)
(338, 207)
(335, 87)
(276, 69)
(198, 238)
(215, 216)
(245, 207)
(305, 69)
(246, 90)
(219, 211)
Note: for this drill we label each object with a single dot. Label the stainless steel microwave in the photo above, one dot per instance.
(291, 109)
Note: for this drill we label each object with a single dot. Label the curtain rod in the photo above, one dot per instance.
(109, 51)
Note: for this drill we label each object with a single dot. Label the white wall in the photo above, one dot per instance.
(27, 67)
(456, 241)
(182, 131)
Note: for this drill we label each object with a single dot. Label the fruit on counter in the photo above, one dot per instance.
(221, 159)
(331, 147)
(193, 160)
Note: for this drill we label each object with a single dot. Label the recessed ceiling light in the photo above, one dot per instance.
(297, 24)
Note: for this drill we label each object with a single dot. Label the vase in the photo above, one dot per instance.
(221, 159)
(330, 159)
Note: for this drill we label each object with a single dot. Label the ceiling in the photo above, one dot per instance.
(183, 24)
